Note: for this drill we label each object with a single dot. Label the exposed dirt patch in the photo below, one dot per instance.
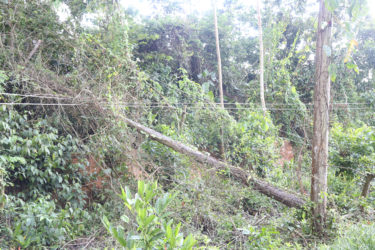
(286, 153)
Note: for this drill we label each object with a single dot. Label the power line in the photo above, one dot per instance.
(41, 104)
(42, 96)
(157, 104)
(164, 106)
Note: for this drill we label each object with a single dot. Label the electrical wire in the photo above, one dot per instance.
(158, 105)
(165, 106)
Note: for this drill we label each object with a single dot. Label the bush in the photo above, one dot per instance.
(36, 160)
(359, 236)
(154, 228)
(353, 149)
(263, 239)
(40, 223)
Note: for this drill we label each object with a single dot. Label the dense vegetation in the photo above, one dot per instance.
(74, 174)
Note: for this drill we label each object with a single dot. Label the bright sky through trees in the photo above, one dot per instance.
(205, 5)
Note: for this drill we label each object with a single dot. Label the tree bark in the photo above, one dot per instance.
(321, 120)
(285, 197)
(366, 185)
(36, 46)
(261, 63)
(299, 170)
(218, 57)
(366, 188)
(300, 158)
(218, 54)
(2, 190)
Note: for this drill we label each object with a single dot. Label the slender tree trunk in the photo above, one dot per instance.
(218, 57)
(299, 170)
(321, 120)
(300, 158)
(222, 150)
(2, 190)
(182, 120)
(366, 188)
(366, 185)
(261, 63)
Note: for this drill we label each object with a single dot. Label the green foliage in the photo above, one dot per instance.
(282, 76)
(39, 224)
(265, 238)
(42, 223)
(353, 148)
(36, 161)
(27, 23)
(161, 71)
(344, 191)
(355, 237)
(154, 229)
(353, 155)
(252, 140)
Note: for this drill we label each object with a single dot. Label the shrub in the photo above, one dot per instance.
(154, 228)
(36, 160)
(40, 223)
(353, 149)
(262, 239)
(359, 236)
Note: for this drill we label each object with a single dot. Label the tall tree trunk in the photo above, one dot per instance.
(261, 63)
(222, 150)
(321, 120)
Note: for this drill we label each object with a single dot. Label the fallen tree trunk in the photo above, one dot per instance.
(287, 198)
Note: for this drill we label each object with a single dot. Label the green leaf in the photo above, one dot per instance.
(332, 69)
(156, 234)
(148, 220)
(125, 218)
(168, 231)
(189, 243)
(106, 223)
(177, 230)
(141, 189)
(293, 90)
(353, 66)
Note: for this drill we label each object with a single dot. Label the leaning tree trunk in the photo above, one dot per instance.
(285, 197)
(321, 120)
